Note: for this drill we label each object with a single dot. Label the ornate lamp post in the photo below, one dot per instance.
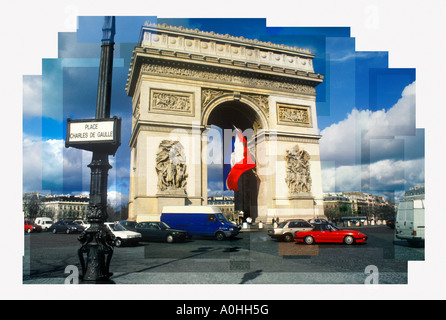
(96, 248)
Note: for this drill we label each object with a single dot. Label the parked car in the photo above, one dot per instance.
(200, 221)
(329, 233)
(31, 227)
(44, 222)
(82, 223)
(320, 221)
(159, 231)
(66, 226)
(391, 223)
(122, 235)
(129, 225)
(286, 229)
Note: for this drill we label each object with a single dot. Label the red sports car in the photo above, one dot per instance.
(329, 233)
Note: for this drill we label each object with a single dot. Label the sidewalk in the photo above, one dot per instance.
(255, 227)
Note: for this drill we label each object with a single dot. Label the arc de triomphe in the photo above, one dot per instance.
(183, 81)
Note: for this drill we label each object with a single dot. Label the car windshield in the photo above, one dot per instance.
(282, 224)
(117, 227)
(163, 226)
(221, 217)
(128, 224)
(325, 227)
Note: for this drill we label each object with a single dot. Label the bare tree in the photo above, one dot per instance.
(32, 207)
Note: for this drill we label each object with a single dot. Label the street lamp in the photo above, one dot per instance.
(100, 135)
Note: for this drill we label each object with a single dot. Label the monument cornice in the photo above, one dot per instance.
(222, 53)
(164, 28)
(197, 67)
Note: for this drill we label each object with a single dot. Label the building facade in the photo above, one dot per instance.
(226, 205)
(66, 206)
(357, 204)
(57, 207)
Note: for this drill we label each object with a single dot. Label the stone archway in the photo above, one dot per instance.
(227, 115)
(181, 81)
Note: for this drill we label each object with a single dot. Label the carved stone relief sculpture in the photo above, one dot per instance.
(208, 95)
(171, 167)
(298, 176)
(293, 115)
(171, 101)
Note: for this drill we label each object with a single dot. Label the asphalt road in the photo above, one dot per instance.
(251, 258)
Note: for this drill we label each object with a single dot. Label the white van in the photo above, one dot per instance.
(409, 223)
(44, 222)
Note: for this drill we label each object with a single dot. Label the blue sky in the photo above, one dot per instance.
(366, 110)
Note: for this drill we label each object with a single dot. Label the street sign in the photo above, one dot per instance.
(98, 135)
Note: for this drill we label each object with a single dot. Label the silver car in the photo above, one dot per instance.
(287, 229)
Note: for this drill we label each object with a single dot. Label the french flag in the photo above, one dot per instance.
(240, 161)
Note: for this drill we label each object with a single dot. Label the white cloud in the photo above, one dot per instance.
(116, 199)
(32, 96)
(384, 175)
(349, 141)
(42, 164)
(48, 165)
(374, 150)
(32, 164)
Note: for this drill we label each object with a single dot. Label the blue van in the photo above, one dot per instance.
(199, 221)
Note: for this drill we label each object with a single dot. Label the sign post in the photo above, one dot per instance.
(96, 135)
(102, 136)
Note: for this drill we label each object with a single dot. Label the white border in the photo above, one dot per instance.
(411, 31)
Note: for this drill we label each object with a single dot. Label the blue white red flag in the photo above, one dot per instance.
(241, 161)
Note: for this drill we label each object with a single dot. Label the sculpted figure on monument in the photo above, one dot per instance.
(298, 176)
(171, 166)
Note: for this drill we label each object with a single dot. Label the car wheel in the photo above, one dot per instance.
(54, 231)
(29, 230)
(220, 236)
(309, 240)
(288, 237)
(349, 240)
(68, 231)
(169, 238)
(118, 242)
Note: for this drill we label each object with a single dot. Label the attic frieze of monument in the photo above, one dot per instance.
(223, 58)
(199, 72)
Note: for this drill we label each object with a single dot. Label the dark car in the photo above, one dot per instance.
(391, 223)
(66, 226)
(159, 231)
(129, 225)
